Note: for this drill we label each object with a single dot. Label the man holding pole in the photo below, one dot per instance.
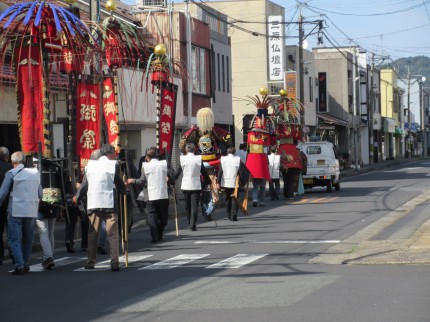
(156, 177)
(103, 181)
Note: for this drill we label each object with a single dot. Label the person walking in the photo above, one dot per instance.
(227, 178)
(22, 185)
(274, 164)
(242, 152)
(101, 187)
(191, 168)
(156, 177)
(5, 166)
(45, 223)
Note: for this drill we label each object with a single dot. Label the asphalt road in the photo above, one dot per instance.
(298, 260)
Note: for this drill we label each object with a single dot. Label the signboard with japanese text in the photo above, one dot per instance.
(275, 48)
(322, 92)
(87, 121)
(167, 118)
(110, 111)
(290, 79)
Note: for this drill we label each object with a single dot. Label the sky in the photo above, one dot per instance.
(390, 29)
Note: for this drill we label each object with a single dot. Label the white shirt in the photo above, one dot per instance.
(230, 165)
(274, 164)
(191, 166)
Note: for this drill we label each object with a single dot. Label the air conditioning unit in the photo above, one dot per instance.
(152, 3)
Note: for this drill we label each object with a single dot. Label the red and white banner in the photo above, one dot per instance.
(167, 118)
(110, 110)
(30, 91)
(87, 121)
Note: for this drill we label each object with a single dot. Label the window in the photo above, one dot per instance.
(219, 73)
(223, 74)
(311, 89)
(313, 149)
(199, 70)
(228, 73)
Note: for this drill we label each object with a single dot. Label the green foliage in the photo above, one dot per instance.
(418, 65)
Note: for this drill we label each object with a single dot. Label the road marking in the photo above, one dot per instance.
(237, 261)
(175, 261)
(222, 242)
(37, 268)
(105, 265)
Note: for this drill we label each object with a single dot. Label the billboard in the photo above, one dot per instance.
(322, 92)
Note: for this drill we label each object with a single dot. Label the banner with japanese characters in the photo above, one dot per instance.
(276, 44)
(87, 121)
(110, 111)
(167, 118)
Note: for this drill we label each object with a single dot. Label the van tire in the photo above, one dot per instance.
(337, 186)
(329, 186)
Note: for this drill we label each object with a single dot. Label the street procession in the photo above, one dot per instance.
(109, 74)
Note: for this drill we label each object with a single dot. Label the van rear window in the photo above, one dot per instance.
(313, 149)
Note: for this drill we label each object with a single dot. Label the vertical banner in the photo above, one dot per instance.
(291, 87)
(87, 121)
(275, 47)
(110, 111)
(322, 92)
(167, 118)
(30, 91)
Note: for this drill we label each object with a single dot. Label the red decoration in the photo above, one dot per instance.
(110, 111)
(87, 121)
(30, 88)
(167, 119)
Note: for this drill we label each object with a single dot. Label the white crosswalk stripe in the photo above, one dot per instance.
(63, 261)
(237, 261)
(105, 265)
(175, 261)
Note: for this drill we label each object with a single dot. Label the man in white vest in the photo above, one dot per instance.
(191, 168)
(227, 178)
(22, 185)
(274, 164)
(156, 178)
(101, 187)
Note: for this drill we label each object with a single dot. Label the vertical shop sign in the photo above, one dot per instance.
(275, 48)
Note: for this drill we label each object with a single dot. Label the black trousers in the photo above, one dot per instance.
(158, 214)
(192, 199)
(291, 177)
(3, 225)
(74, 214)
(231, 205)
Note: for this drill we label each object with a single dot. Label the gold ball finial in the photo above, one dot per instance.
(283, 92)
(110, 5)
(160, 50)
(264, 91)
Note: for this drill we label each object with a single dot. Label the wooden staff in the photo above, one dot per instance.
(245, 200)
(236, 200)
(176, 211)
(125, 227)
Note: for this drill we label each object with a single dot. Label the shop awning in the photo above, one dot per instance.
(327, 119)
(389, 125)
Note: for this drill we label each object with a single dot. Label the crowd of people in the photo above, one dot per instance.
(101, 189)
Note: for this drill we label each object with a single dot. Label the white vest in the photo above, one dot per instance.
(100, 175)
(25, 193)
(230, 165)
(191, 165)
(156, 176)
(274, 163)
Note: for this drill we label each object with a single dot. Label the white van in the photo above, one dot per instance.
(323, 165)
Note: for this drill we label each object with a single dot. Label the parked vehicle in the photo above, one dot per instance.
(323, 165)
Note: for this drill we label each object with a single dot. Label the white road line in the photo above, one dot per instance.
(37, 268)
(105, 265)
(223, 242)
(237, 261)
(175, 261)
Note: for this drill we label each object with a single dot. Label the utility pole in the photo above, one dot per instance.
(370, 109)
(354, 107)
(408, 146)
(301, 80)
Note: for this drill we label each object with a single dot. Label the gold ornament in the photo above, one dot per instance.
(283, 92)
(264, 91)
(160, 50)
(110, 5)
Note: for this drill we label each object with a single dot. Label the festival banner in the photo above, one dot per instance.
(87, 121)
(30, 91)
(167, 118)
(110, 111)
